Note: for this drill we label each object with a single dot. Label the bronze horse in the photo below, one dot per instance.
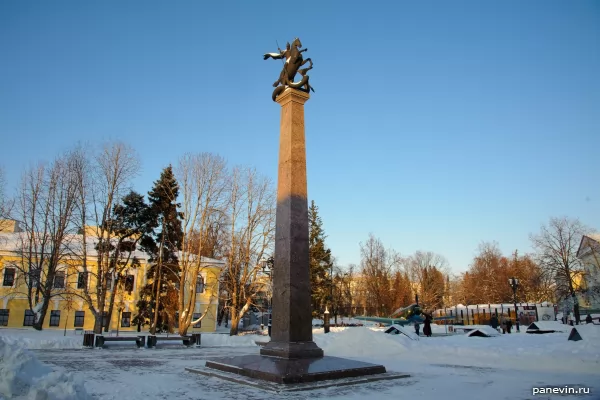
(293, 62)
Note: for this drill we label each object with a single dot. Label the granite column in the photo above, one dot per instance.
(291, 331)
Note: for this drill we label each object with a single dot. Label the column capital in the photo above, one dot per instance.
(292, 95)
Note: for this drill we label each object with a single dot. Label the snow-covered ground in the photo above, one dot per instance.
(446, 367)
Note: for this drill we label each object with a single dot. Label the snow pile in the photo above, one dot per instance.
(548, 326)
(403, 330)
(32, 339)
(22, 376)
(361, 342)
(485, 331)
(223, 340)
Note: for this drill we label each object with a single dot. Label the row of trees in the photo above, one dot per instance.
(202, 208)
(553, 272)
(387, 281)
(80, 207)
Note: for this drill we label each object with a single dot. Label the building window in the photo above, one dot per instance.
(82, 279)
(9, 277)
(125, 319)
(79, 319)
(4, 317)
(29, 319)
(200, 284)
(195, 317)
(129, 283)
(59, 280)
(54, 318)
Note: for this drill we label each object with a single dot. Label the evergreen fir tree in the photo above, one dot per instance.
(162, 245)
(130, 221)
(320, 261)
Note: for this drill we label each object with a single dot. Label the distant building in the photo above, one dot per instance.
(72, 311)
(589, 254)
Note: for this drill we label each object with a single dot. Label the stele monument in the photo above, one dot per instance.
(292, 356)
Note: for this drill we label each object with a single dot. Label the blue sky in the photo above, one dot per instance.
(435, 125)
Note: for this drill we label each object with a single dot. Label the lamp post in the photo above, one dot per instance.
(342, 279)
(326, 316)
(514, 284)
(267, 268)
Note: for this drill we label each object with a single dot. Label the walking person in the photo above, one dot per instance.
(508, 325)
(427, 325)
(494, 322)
(417, 327)
(503, 324)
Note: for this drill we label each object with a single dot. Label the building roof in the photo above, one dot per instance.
(11, 243)
(589, 242)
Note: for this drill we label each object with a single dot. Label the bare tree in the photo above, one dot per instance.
(203, 181)
(45, 208)
(427, 270)
(252, 226)
(556, 245)
(5, 203)
(101, 184)
(377, 266)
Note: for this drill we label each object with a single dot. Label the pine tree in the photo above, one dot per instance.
(158, 299)
(130, 221)
(320, 261)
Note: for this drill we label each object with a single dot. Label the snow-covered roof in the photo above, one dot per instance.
(73, 244)
(482, 331)
(588, 241)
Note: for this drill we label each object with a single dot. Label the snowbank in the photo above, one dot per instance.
(361, 342)
(53, 339)
(22, 376)
(514, 351)
(486, 331)
(217, 339)
(46, 339)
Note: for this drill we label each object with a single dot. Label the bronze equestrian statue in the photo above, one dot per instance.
(293, 62)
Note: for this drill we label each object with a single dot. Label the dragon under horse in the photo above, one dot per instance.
(293, 61)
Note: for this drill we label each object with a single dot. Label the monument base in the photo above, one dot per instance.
(290, 371)
(292, 350)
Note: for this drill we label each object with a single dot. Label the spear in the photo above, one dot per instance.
(279, 48)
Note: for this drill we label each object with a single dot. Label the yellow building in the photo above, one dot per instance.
(68, 308)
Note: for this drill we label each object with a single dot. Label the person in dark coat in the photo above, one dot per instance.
(417, 327)
(427, 325)
(588, 319)
(508, 325)
(494, 321)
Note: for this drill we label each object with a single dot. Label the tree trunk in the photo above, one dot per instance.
(156, 304)
(39, 323)
(98, 323)
(111, 305)
(576, 309)
(99, 315)
(235, 320)
(183, 332)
